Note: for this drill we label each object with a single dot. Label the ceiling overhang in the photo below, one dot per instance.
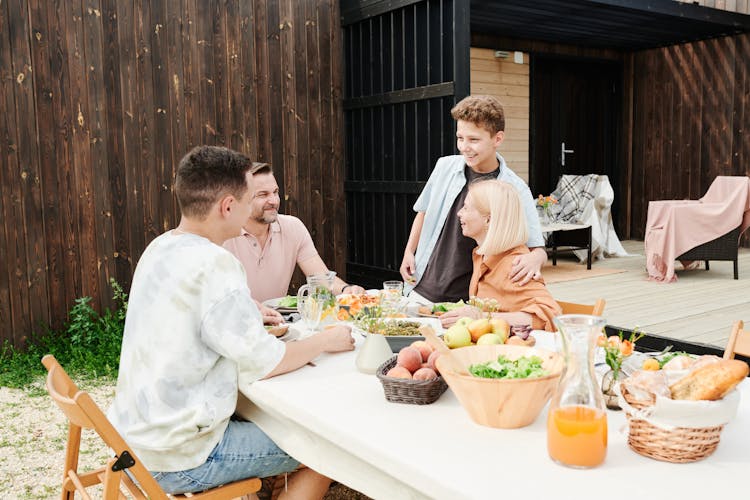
(613, 24)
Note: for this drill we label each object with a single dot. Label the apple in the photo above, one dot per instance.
(500, 327)
(464, 321)
(490, 339)
(457, 336)
(479, 327)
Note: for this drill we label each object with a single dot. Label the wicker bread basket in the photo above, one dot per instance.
(676, 445)
(416, 392)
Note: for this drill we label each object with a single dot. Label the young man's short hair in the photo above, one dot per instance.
(206, 174)
(500, 202)
(484, 111)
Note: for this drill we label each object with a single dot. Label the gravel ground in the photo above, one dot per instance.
(33, 433)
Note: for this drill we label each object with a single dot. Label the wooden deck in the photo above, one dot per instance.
(699, 307)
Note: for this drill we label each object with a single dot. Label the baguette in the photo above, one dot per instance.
(710, 382)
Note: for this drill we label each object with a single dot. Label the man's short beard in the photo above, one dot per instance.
(263, 219)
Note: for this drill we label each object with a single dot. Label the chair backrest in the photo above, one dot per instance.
(84, 413)
(739, 341)
(596, 309)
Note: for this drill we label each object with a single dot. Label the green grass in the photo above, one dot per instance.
(88, 346)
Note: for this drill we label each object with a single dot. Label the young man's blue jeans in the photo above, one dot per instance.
(244, 451)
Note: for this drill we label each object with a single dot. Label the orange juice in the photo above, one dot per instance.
(577, 436)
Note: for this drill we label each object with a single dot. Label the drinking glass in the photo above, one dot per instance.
(393, 292)
(310, 308)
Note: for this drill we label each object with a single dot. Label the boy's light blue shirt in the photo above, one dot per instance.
(444, 185)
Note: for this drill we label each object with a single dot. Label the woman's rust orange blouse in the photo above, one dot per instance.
(491, 279)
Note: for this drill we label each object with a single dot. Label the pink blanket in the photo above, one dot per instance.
(675, 226)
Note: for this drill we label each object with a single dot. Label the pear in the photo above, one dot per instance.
(500, 327)
(479, 327)
(465, 321)
(490, 339)
(457, 336)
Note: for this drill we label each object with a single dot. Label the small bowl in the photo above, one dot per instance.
(501, 403)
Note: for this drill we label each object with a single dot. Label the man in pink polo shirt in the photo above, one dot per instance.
(272, 244)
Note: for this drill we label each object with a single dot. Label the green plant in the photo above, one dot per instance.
(88, 345)
(616, 349)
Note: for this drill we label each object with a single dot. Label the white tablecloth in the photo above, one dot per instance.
(337, 421)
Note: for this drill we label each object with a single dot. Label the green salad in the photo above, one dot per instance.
(289, 301)
(447, 306)
(503, 367)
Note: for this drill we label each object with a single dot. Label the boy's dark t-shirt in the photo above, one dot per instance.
(449, 269)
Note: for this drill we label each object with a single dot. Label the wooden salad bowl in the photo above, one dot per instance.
(501, 403)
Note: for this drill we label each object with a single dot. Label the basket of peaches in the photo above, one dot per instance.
(411, 376)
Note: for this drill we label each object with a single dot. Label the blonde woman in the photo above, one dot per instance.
(492, 216)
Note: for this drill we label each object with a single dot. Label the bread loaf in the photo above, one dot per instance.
(710, 382)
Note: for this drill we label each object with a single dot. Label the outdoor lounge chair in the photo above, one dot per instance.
(693, 230)
(596, 309)
(725, 247)
(83, 413)
(739, 342)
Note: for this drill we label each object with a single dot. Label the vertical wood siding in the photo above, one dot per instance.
(691, 116)
(509, 82)
(100, 99)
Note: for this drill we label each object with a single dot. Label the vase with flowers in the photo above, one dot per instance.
(616, 349)
(544, 205)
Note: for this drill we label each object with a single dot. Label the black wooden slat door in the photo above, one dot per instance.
(406, 63)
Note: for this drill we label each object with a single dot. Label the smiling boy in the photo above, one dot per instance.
(437, 258)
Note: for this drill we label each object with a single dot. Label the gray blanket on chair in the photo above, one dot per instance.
(573, 193)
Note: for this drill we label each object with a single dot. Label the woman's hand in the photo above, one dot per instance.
(449, 319)
(270, 316)
(337, 338)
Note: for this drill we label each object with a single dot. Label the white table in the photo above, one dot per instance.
(337, 421)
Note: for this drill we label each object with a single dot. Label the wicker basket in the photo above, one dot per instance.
(415, 392)
(677, 445)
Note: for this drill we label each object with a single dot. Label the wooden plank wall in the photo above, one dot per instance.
(691, 114)
(100, 99)
(509, 82)
(741, 6)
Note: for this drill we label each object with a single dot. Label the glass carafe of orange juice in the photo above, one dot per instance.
(577, 419)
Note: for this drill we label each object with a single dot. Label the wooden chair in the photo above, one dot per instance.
(596, 309)
(739, 342)
(83, 413)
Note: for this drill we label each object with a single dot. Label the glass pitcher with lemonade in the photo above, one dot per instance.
(577, 419)
(318, 294)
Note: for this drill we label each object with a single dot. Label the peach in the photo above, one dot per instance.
(425, 374)
(432, 359)
(409, 358)
(423, 347)
(398, 372)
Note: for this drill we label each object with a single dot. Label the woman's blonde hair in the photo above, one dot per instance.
(500, 202)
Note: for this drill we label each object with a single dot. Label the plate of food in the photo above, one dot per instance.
(439, 308)
(283, 304)
(351, 305)
(399, 332)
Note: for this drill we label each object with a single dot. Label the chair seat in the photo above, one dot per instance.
(725, 247)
